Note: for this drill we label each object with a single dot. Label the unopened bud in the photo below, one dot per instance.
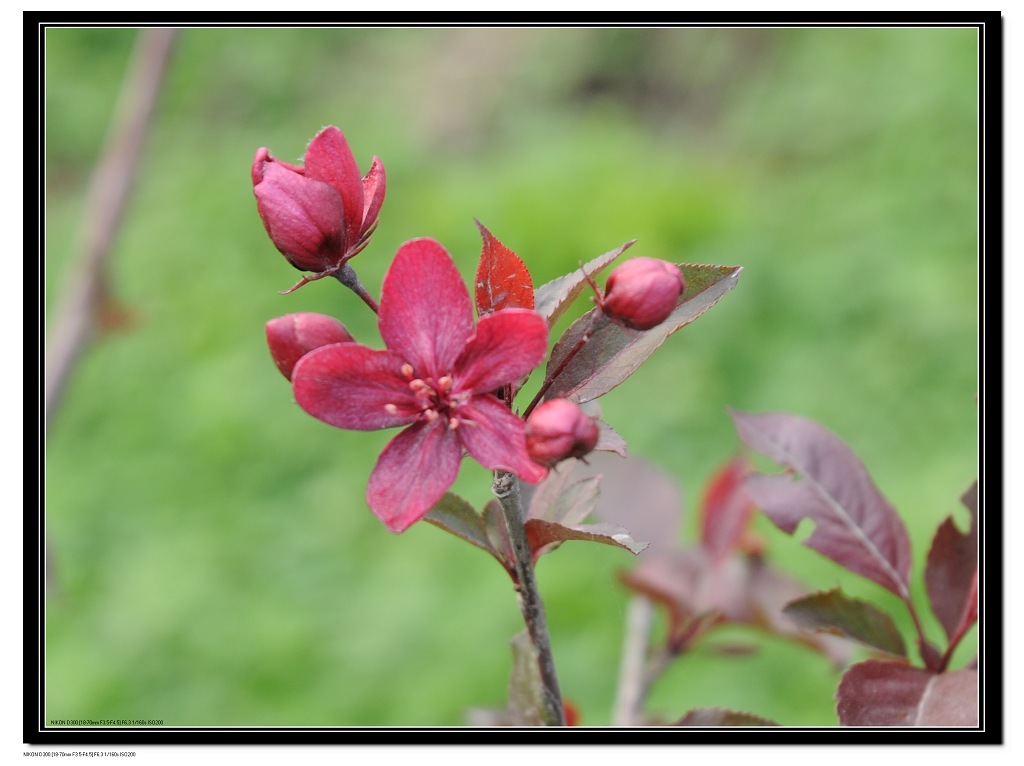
(321, 214)
(642, 292)
(559, 429)
(294, 335)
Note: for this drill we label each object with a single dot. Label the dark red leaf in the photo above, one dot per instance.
(546, 536)
(952, 567)
(554, 297)
(572, 713)
(876, 693)
(854, 525)
(834, 612)
(716, 716)
(613, 353)
(502, 279)
(726, 509)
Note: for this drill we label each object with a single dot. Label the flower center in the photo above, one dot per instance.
(437, 399)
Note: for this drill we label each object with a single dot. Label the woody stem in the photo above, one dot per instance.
(506, 489)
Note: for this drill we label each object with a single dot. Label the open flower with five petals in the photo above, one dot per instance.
(322, 214)
(436, 378)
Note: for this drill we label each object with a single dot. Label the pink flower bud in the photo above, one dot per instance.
(559, 429)
(642, 292)
(293, 336)
(322, 214)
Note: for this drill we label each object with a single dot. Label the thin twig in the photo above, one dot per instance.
(632, 677)
(105, 204)
(550, 378)
(348, 277)
(506, 489)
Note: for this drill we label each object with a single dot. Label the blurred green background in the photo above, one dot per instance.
(213, 559)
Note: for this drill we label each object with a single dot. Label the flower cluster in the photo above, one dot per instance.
(442, 378)
(436, 379)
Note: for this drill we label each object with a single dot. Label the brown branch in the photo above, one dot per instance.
(506, 489)
(87, 285)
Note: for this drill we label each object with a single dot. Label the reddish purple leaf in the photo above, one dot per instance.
(525, 688)
(952, 568)
(854, 525)
(613, 353)
(698, 594)
(502, 279)
(876, 693)
(497, 536)
(834, 612)
(609, 440)
(525, 693)
(770, 592)
(554, 297)
(677, 582)
(726, 509)
(716, 716)
(546, 536)
(566, 504)
(537, 497)
(637, 495)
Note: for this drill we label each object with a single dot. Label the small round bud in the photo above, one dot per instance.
(559, 429)
(294, 335)
(642, 292)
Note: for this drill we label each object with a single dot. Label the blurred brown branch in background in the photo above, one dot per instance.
(86, 293)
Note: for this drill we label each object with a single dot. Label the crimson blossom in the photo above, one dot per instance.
(437, 378)
(321, 215)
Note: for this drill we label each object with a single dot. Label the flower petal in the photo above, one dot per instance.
(374, 186)
(413, 472)
(351, 386)
(508, 344)
(425, 313)
(330, 159)
(293, 336)
(302, 216)
(496, 439)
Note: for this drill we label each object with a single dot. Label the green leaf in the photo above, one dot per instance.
(834, 612)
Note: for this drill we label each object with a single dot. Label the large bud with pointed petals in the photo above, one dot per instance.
(642, 292)
(293, 336)
(322, 214)
(559, 429)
